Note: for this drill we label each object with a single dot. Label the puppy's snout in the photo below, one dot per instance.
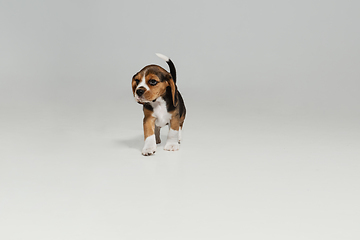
(140, 92)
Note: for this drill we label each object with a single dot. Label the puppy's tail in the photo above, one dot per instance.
(171, 65)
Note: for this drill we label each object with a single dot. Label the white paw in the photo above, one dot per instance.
(149, 146)
(172, 146)
(148, 151)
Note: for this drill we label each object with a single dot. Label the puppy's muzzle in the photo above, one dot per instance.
(140, 92)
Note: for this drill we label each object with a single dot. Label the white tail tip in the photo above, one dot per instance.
(162, 57)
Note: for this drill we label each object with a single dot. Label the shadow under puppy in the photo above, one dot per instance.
(156, 90)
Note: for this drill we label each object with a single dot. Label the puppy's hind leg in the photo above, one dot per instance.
(157, 134)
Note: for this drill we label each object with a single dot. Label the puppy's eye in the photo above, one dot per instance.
(152, 82)
(137, 81)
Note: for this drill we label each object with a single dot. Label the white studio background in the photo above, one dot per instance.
(271, 140)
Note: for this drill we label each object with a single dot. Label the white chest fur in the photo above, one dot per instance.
(160, 112)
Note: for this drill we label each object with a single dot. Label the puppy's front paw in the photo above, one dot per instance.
(150, 146)
(172, 146)
(148, 151)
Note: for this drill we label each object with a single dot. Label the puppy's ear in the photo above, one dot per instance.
(133, 85)
(173, 88)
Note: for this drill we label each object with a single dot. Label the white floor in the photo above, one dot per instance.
(78, 173)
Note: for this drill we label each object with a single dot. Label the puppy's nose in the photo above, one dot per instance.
(140, 92)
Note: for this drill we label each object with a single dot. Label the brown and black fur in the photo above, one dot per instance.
(165, 89)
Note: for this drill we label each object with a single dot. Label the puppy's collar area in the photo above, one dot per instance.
(158, 100)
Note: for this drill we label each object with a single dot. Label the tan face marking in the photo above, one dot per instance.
(156, 90)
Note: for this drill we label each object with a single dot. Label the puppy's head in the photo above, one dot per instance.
(151, 83)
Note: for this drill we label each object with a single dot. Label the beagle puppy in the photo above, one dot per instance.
(156, 90)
